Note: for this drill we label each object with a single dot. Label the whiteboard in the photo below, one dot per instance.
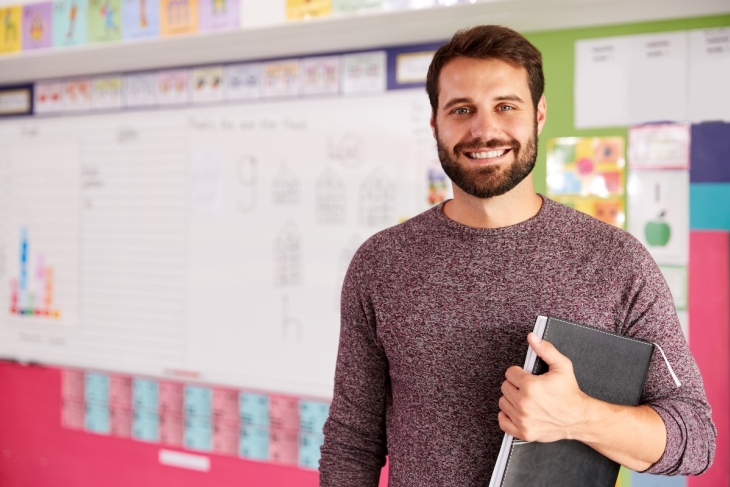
(207, 244)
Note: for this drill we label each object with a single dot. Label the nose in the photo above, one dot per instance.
(485, 125)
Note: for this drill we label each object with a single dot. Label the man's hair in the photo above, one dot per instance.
(488, 42)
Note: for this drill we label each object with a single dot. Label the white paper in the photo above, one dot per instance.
(412, 67)
(662, 146)
(106, 92)
(206, 84)
(601, 93)
(243, 81)
(280, 78)
(76, 95)
(48, 97)
(709, 75)
(139, 90)
(320, 75)
(658, 78)
(658, 204)
(364, 72)
(676, 277)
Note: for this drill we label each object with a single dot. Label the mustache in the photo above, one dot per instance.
(479, 143)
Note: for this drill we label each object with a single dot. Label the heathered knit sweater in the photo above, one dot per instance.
(433, 314)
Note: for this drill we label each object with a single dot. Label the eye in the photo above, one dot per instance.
(461, 111)
(505, 108)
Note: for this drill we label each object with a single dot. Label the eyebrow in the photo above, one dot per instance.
(458, 101)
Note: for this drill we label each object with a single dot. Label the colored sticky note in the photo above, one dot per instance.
(254, 409)
(171, 397)
(10, 29)
(69, 22)
(307, 9)
(73, 414)
(121, 421)
(120, 391)
(284, 412)
(178, 17)
(96, 388)
(225, 405)
(97, 418)
(145, 425)
(145, 395)
(140, 18)
(225, 437)
(283, 446)
(171, 428)
(198, 434)
(219, 14)
(198, 402)
(105, 20)
(37, 26)
(72, 384)
(312, 416)
(309, 453)
(254, 442)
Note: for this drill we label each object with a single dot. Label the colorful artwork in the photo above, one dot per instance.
(10, 25)
(320, 75)
(438, 186)
(76, 95)
(106, 92)
(307, 9)
(281, 78)
(352, 6)
(69, 22)
(206, 84)
(172, 87)
(105, 20)
(37, 26)
(139, 90)
(588, 174)
(364, 72)
(660, 146)
(178, 17)
(140, 18)
(47, 97)
(243, 81)
(219, 14)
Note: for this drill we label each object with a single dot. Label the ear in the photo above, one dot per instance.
(541, 113)
(432, 122)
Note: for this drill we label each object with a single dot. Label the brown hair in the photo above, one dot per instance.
(488, 42)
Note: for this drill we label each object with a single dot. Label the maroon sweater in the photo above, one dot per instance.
(433, 314)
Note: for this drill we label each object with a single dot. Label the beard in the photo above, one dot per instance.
(491, 180)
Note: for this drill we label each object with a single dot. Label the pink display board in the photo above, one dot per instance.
(709, 338)
(36, 450)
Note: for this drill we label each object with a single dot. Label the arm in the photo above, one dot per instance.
(551, 407)
(354, 448)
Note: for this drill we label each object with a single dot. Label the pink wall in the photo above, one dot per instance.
(709, 338)
(36, 451)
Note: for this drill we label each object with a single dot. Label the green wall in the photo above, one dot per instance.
(558, 51)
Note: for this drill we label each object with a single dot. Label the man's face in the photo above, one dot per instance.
(486, 126)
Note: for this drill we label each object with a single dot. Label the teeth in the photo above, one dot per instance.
(488, 154)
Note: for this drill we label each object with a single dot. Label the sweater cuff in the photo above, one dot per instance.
(668, 463)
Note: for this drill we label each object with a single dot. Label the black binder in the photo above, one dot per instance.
(608, 367)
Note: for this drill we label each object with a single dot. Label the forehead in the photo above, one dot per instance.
(464, 76)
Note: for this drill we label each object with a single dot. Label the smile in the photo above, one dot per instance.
(491, 154)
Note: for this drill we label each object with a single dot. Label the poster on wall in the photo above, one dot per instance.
(105, 20)
(69, 22)
(37, 26)
(307, 9)
(10, 25)
(588, 174)
(659, 146)
(178, 17)
(140, 18)
(219, 14)
(659, 213)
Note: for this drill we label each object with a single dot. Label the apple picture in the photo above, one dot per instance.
(657, 231)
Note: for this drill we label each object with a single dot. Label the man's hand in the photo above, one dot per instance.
(546, 407)
(552, 407)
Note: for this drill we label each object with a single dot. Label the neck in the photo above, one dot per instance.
(517, 205)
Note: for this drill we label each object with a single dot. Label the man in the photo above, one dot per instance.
(435, 311)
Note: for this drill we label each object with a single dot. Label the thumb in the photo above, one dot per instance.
(547, 352)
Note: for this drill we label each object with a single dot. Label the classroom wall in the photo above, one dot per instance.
(35, 446)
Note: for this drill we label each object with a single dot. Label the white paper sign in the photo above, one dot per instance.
(662, 146)
(709, 75)
(364, 73)
(659, 213)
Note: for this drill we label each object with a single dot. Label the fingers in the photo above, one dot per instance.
(547, 352)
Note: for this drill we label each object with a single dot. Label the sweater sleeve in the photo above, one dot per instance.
(691, 433)
(354, 446)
